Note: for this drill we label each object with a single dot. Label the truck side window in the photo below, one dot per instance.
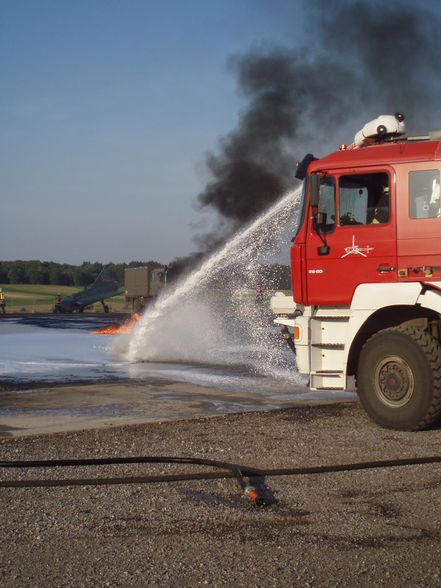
(424, 194)
(364, 199)
(327, 202)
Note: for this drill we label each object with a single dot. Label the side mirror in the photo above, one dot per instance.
(314, 189)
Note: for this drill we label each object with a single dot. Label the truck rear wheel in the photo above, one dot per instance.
(399, 378)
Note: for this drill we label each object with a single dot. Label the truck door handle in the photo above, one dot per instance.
(383, 269)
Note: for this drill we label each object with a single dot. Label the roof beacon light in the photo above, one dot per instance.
(381, 128)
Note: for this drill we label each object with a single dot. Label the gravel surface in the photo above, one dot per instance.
(361, 528)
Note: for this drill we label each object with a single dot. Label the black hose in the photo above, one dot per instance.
(43, 463)
(231, 471)
(364, 465)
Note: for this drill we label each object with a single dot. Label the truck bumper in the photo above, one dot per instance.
(300, 329)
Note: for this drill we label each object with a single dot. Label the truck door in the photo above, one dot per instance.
(353, 240)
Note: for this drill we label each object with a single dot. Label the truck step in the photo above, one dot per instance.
(330, 312)
(331, 319)
(327, 380)
(328, 345)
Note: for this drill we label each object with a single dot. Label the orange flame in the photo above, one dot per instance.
(115, 329)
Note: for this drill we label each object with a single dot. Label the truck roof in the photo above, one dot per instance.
(387, 153)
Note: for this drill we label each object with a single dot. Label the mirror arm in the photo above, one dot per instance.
(320, 231)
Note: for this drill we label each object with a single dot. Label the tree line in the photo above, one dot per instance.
(63, 274)
(273, 276)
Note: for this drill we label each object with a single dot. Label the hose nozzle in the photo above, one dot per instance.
(252, 494)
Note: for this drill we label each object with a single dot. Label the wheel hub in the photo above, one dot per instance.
(393, 381)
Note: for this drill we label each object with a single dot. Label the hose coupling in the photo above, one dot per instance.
(251, 492)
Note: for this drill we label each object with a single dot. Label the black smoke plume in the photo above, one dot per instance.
(363, 58)
(253, 164)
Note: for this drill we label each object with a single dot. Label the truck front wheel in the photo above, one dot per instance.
(399, 378)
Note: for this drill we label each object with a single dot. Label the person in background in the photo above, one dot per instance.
(2, 301)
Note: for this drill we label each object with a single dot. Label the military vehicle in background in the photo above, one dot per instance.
(101, 289)
(142, 284)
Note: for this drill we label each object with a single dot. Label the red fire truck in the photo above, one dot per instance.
(366, 274)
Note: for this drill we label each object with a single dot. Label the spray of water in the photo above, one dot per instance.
(211, 315)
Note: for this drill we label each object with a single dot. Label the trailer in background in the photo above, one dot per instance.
(142, 284)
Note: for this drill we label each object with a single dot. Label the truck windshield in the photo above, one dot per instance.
(327, 202)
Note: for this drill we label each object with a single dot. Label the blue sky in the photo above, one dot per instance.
(107, 109)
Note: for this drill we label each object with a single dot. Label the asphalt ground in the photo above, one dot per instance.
(375, 527)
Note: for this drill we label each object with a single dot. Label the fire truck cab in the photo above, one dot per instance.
(366, 274)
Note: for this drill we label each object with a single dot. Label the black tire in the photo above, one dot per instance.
(399, 378)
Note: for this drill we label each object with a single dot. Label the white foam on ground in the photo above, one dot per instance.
(35, 352)
(211, 315)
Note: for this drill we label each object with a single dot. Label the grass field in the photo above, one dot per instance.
(41, 298)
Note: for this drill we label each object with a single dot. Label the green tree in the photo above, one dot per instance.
(4, 279)
(37, 273)
(16, 274)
